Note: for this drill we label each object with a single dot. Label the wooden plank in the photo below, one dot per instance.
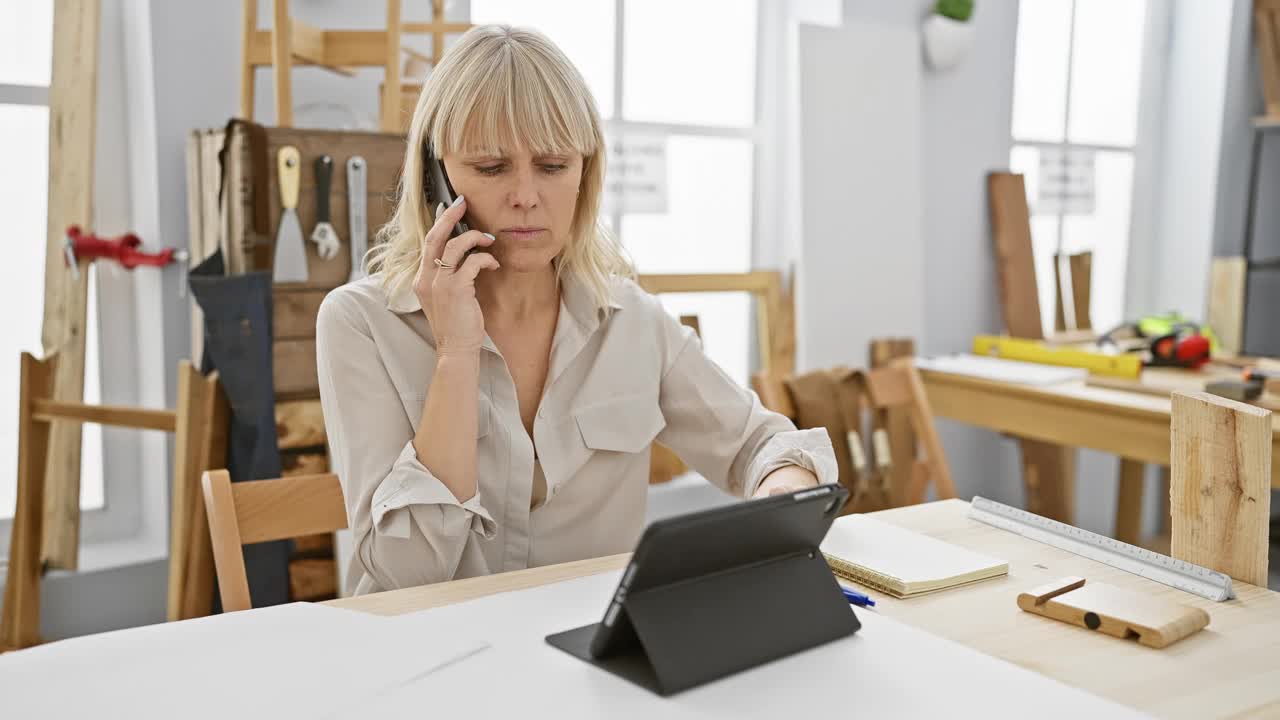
(1015, 264)
(1227, 277)
(896, 421)
(20, 619)
(313, 502)
(1129, 503)
(282, 61)
(1268, 57)
(922, 420)
(293, 311)
(214, 414)
(224, 531)
(182, 490)
(72, 123)
(248, 32)
(391, 119)
(294, 368)
(300, 424)
(424, 28)
(1081, 265)
(756, 282)
(342, 48)
(1221, 499)
(114, 415)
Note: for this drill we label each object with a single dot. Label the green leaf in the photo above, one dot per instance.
(960, 10)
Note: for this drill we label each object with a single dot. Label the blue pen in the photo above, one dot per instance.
(856, 598)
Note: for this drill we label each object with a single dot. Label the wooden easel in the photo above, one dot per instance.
(292, 42)
(775, 330)
(199, 424)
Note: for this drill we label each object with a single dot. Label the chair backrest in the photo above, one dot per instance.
(894, 388)
(260, 511)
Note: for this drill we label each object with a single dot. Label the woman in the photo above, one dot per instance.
(494, 411)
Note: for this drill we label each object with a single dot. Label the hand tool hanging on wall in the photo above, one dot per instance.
(290, 263)
(356, 194)
(324, 236)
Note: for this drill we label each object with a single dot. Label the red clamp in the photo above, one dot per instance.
(79, 245)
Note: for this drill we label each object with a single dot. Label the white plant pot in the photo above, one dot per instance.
(946, 41)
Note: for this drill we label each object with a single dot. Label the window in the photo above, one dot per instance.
(695, 93)
(1077, 79)
(26, 34)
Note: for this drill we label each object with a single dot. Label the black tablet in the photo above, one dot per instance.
(713, 592)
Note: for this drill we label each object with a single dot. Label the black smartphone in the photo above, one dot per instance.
(438, 190)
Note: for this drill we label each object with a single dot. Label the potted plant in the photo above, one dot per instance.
(948, 33)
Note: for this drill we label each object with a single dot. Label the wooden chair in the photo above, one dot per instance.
(290, 42)
(261, 511)
(775, 333)
(894, 388)
(199, 427)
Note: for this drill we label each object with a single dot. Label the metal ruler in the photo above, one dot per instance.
(1151, 565)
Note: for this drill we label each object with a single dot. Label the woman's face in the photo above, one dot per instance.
(525, 201)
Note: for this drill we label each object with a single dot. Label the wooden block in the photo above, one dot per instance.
(73, 91)
(1114, 611)
(1221, 487)
(300, 424)
(293, 311)
(312, 580)
(1227, 277)
(293, 369)
(1015, 264)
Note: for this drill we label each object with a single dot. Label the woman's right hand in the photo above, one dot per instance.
(448, 296)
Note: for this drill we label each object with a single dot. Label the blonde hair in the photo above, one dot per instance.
(497, 89)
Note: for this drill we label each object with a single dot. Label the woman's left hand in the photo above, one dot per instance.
(786, 479)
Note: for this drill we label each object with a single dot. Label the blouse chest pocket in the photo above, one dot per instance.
(627, 424)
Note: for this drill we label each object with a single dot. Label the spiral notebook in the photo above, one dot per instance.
(900, 562)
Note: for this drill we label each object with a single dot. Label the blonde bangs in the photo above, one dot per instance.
(498, 90)
(514, 105)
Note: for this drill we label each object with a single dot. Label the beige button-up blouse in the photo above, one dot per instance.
(616, 382)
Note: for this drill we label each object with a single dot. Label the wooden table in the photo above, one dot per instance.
(1132, 425)
(1228, 669)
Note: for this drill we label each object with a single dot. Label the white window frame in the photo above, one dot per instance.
(1151, 75)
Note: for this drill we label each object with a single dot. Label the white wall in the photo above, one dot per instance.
(1195, 91)
(963, 133)
(861, 268)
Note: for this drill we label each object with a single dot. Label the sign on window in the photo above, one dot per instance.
(1067, 182)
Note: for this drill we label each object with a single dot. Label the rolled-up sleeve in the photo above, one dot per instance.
(720, 428)
(408, 527)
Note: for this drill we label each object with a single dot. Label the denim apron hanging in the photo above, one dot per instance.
(237, 343)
